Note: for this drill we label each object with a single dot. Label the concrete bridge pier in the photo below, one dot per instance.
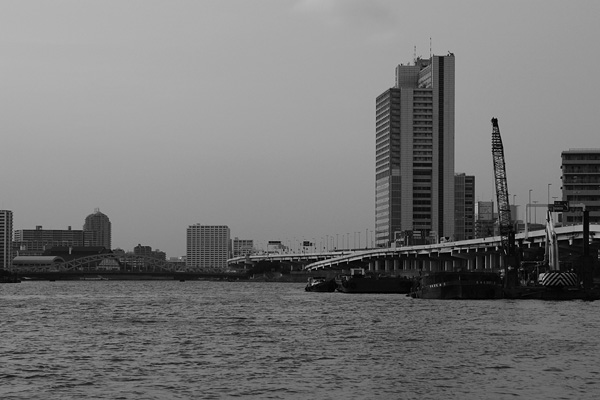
(388, 265)
(480, 261)
(471, 263)
(429, 265)
(493, 261)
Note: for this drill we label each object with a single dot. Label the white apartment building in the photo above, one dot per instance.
(208, 246)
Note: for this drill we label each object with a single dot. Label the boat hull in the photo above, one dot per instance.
(326, 286)
(459, 286)
(373, 284)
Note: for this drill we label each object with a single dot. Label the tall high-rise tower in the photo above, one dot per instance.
(414, 184)
(99, 224)
(6, 232)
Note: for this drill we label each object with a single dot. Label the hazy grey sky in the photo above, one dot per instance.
(260, 114)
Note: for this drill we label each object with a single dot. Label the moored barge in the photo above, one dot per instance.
(463, 285)
(360, 282)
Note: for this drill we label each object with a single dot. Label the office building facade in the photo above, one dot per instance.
(208, 246)
(146, 251)
(581, 184)
(99, 226)
(485, 219)
(34, 242)
(242, 247)
(414, 184)
(464, 207)
(6, 235)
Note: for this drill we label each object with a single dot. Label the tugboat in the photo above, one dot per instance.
(359, 282)
(320, 284)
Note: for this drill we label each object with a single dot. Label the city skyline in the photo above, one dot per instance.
(259, 115)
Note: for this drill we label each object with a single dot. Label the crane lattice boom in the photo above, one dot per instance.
(504, 217)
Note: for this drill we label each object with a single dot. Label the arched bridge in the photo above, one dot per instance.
(106, 262)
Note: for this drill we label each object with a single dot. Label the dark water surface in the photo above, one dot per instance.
(219, 340)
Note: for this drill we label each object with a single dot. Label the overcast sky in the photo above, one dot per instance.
(260, 115)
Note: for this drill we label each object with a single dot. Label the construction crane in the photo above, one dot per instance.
(507, 234)
(549, 285)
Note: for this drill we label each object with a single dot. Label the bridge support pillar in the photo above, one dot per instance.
(388, 265)
(471, 263)
(494, 261)
(428, 265)
(396, 265)
(373, 265)
(435, 265)
(489, 261)
(447, 265)
(480, 262)
(499, 261)
(459, 264)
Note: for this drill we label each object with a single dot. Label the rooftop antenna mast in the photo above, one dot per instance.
(415, 55)
(430, 47)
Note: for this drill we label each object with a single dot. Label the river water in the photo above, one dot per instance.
(220, 340)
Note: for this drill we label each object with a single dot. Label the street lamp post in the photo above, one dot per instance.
(527, 208)
(549, 193)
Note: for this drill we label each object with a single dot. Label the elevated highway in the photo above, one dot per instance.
(300, 260)
(480, 254)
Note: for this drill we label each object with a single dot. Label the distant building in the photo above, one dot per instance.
(6, 234)
(99, 226)
(208, 246)
(464, 206)
(414, 153)
(276, 247)
(68, 253)
(147, 251)
(485, 219)
(581, 184)
(33, 242)
(241, 247)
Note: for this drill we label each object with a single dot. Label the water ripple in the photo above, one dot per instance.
(214, 340)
